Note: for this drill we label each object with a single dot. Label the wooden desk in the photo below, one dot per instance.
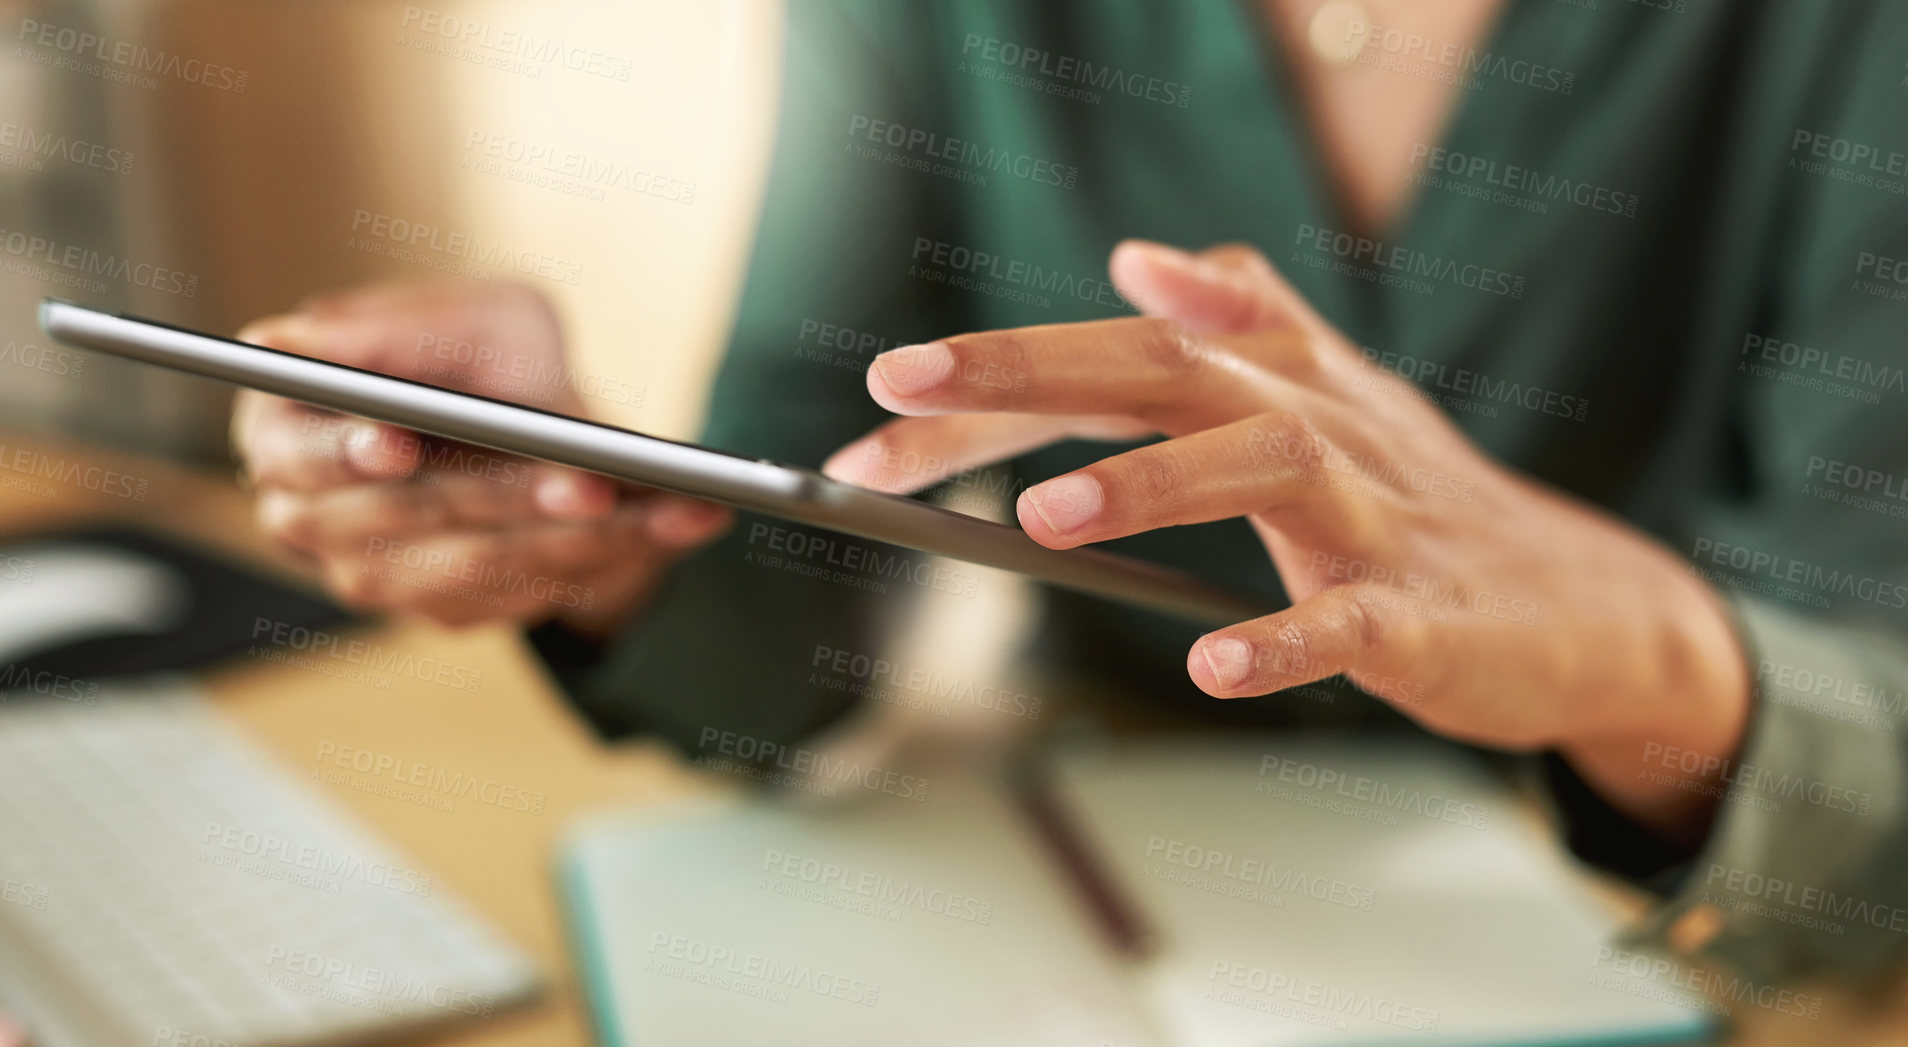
(514, 730)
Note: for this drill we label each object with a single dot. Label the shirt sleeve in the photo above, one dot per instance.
(1803, 871)
(724, 660)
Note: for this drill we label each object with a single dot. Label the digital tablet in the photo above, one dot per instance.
(797, 495)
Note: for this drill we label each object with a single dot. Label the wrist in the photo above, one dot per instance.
(1667, 738)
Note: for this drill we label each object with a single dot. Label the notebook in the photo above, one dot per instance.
(1297, 891)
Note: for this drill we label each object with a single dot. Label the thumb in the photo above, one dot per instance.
(1223, 290)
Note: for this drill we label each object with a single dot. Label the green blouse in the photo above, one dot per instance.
(1658, 258)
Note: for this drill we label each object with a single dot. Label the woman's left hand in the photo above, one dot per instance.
(1479, 602)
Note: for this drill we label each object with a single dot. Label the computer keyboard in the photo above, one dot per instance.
(163, 883)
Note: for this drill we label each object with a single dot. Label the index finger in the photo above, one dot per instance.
(1142, 367)
(283, 443)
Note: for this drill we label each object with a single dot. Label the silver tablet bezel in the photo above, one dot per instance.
(787, 492)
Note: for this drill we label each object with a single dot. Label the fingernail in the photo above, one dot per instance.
(1229, 658)
(296, 331)
(1167, 256)
(560, 495)
(915, 369)
(851, 463)
(1068, 503)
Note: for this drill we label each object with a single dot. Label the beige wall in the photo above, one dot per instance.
(258, 191)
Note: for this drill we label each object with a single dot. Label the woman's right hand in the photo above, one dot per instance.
(402, 523)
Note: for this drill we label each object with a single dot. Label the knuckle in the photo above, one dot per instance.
(1292, 658)
(1364, 626)
(375, 512)
(352, 585)
(1155, 474)
(1168, 344)
(1288, 442)
(1252, 262)
(1230, 252)
(282, 518)
(994, 366)
(527, 301)
(1304, 353)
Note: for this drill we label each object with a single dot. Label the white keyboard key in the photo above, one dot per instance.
(151, 917)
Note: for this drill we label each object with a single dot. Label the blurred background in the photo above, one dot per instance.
(354, 117)
(285, 150)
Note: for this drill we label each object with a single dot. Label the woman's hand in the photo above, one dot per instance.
(408, 524)
(1481, 603)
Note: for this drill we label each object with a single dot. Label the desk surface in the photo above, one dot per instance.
(512, 729)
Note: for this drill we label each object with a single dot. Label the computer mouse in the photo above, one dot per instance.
(62, 592)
